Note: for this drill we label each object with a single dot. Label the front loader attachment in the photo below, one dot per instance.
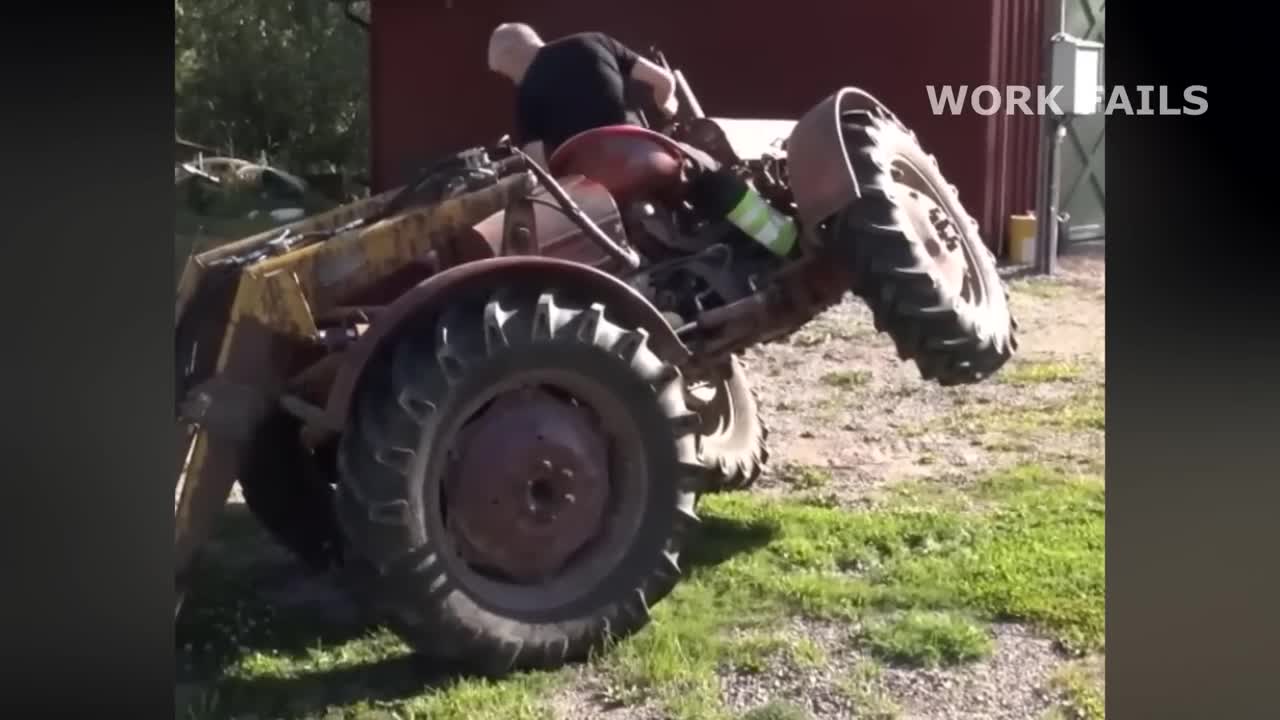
(250, 319)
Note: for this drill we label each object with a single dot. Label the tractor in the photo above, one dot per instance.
(489, 400)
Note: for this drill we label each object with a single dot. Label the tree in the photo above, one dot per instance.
(284, 77)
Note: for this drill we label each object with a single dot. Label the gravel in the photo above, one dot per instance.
(1009, 684)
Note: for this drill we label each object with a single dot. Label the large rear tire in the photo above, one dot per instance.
(917, 258)
(474, 542)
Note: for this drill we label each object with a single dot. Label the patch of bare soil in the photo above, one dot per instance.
(837, 397)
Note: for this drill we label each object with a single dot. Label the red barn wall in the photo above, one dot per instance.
(431, 92)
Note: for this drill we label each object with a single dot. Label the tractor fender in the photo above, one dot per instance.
(818, 169)
(623, 301)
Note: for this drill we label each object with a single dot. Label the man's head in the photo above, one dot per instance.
(511, 49)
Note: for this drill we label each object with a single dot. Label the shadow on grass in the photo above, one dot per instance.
(240, 652)
(720, 539)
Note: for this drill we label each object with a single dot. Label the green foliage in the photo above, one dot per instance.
(928, 639)
(284, 77)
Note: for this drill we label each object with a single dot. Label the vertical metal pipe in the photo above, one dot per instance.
(1052, 132)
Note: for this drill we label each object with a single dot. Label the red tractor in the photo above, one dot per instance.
(490, 400)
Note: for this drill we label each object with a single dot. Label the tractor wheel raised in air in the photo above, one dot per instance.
(734, 440)
(917, 257)
(517, 481)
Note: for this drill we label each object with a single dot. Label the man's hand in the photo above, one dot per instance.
(662, 82)
(669, 107)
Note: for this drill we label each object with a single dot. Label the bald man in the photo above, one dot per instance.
(571, 85)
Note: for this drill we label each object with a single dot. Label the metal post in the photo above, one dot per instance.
(1047, 231)
(1052, 133)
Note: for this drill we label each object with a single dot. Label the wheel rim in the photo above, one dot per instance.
(713, 402)
(938, 230)
(500, 498)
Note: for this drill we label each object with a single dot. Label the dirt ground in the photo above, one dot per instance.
(842, 407)
(837, 396)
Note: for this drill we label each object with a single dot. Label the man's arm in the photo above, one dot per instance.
(662, 82)
(637, 67)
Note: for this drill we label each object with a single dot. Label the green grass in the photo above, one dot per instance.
(928, 639)
(1031, 550)
(1038, 372)
(1083, 411)
(845, 379)
(1081, 691)
(754, 652)
(256, 661)
(1035, 553)
(805, 477)
(861, 685)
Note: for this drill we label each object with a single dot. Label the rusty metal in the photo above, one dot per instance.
(552, 233)
(624, 255)
(522, 502)
(796, 295)
(519, 228)
(246, 319)
(254, 361)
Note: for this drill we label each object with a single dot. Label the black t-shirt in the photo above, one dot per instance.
(574, 84)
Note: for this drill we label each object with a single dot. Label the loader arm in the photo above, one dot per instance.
(247, 321)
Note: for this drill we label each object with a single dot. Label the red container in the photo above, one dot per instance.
(431, 91)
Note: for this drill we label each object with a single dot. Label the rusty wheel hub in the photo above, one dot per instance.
(530, 486)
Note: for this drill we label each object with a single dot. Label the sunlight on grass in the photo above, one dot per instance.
(1081, 690)
(1038, 372)
(1083, 411)
(860, 684)
(1034, 554)
(845, 379)
(922, 571)
(928, 639)
(805, 477)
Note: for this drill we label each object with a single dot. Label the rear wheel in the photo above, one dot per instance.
(734, 439)
(917, 257)
(518, 480)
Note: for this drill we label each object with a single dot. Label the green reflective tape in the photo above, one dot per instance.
(755, 217)
(786, 238)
